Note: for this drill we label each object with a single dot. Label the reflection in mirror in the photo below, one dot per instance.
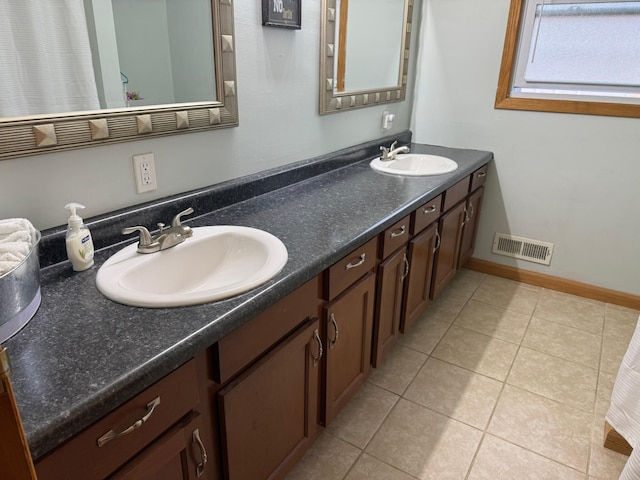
(369, 44)
(72, 71)
(365, 52)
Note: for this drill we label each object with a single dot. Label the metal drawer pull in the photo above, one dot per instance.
(203, 453)
(357, 264)
(430, 209)
(399, 232)
(320, 349)
(112, 434)
(466, 217)
(406, 266)
(482, 174)
(471, 213)
(335, 326)
(437, 242)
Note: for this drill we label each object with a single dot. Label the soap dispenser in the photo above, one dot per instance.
(79, 242)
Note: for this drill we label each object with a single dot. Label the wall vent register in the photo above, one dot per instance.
(522, 248)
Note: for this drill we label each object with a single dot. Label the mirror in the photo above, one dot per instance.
(120, 70)
(365, 52)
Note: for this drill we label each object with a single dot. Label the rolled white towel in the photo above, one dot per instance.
(17, 237)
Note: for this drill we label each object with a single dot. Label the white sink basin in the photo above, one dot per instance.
(215, 263)
(415, 164)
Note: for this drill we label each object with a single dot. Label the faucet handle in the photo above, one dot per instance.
(145, 236)
(393, 145)
(385, 152)
(176, 222)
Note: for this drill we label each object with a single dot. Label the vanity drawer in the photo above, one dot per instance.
(394, 237)
(455, 194)
(174, 396)
(249, 341)
(478, 178)
(344, 273)
(425, 215)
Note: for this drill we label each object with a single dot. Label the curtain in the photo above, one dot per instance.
(45, 58)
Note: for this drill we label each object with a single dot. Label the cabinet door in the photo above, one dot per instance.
(171, 457)
(349, 323)
(418, 283)
(268, 414)
(446, 262)
(470, 226)
(386, 327)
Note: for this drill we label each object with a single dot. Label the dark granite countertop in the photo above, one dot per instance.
(82, 355)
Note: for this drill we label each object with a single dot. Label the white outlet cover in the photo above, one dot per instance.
(145, 181)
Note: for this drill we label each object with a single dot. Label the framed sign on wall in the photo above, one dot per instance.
(282, 13)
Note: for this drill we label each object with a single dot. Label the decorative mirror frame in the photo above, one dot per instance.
(331, 101)
(22, 136)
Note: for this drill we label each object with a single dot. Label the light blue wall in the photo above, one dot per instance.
(278, 74)
(567, 179)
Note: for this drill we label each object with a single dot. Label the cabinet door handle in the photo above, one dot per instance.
(320, 349)
(112, 434)
(471, 208)
(466, 217)
(482, 174)
(437, 242)
(429, 209)
(357, 264)
(406, 266)
(399, 232)
(203, 453)
(335, 326)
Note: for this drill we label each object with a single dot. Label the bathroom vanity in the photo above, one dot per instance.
(240, 388)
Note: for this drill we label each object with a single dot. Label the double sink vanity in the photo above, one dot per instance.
(264, 322)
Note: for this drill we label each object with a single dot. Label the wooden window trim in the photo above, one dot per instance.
(504, 101)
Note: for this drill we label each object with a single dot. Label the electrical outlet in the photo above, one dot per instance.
(387, 120)
(144, 169)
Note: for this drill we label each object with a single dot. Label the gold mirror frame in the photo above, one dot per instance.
(22, 136)
(331, 101)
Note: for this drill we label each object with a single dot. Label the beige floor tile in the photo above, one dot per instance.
(516, 296)
(398, 369)
(482, 354)
(549, 428)
(370, 468)
(604, 464)
(564, 342)
(425, 444)
(446, 307)
(362, 416)
(465, 282)
(497, 460)
(612, 306)
(493, 320)
(612, 353)
(577, 312)
(605, 385)
(329, 458)
(455, 392)
(620, 324)
(424, 335)
(555, 378)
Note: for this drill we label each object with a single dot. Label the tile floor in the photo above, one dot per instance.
(498, 380)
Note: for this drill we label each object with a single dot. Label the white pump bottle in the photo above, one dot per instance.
(79, 242)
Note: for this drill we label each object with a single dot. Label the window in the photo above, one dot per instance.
(573, 56)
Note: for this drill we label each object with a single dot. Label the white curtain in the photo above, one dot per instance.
(45, 58)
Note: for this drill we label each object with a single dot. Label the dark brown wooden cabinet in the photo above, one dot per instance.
(446, 261)
(172, 456)
(348, 324)
(133, 438)
(422, 250)
(470, 229)
(269, 413)
(390, 280)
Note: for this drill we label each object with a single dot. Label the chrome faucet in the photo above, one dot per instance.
(172, 236)
(390, 153)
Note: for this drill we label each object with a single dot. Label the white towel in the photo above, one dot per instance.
(17, 237)
(624, 411)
